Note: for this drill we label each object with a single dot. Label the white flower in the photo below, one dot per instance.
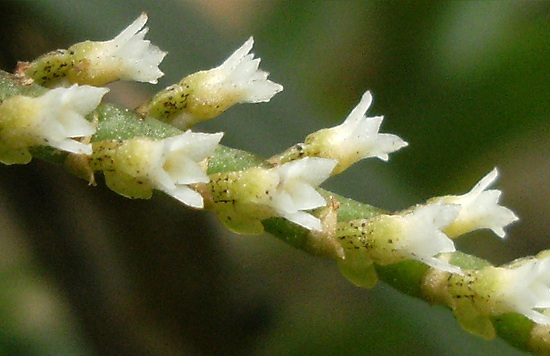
(479, 209)
(355, 139)
(126, 57)
(52, 119)
(206, 94)
(422, 236)
(525, 288)
(62, 117)
(240, 79)
(294, 190)
(413, 234)
(243, 199)
(169, 165)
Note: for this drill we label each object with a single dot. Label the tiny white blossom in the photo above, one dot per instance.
(209, 93)
(417, 234)
(480, 209)
(240, 78)
(295, 190)
(126, 57)
(53, 119)
(141, 59)
(169, 165)
(63, 116)
(525, 289)
(206, 94)
(355, 139)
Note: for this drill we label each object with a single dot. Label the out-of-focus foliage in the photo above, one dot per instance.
(465, 83)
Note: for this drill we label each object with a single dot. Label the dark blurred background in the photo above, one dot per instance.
(467, 84)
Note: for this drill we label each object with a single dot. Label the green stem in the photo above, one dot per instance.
(115, 123)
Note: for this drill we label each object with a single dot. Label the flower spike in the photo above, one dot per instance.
(206, 94)
(479, 209)
(53, 119)
(355, 139)
(140, 165)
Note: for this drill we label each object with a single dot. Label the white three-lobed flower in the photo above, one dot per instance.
(59, 116)
(526, 288)
(480, 209)
(171, 164)
(419, 234)
(133, 57)
(239, 79)
(356, 138)
(294, 190)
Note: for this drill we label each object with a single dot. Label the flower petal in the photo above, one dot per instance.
(479, 209)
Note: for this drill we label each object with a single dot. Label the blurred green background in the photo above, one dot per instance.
(467, 84)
